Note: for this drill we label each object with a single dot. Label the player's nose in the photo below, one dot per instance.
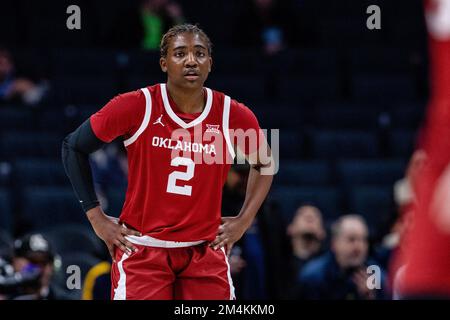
(190, 60)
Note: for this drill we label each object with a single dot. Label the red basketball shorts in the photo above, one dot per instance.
(167, 270)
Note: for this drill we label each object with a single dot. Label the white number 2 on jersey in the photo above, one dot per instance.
(178, 175)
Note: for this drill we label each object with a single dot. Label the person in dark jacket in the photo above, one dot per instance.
(307, 236)
(345, 272)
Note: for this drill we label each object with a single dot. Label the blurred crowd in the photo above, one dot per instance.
(310, 258)
(27, 268)
(16, 87)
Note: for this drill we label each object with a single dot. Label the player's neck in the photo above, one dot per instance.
(187, 101)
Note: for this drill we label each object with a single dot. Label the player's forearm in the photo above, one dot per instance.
(258, 186)
(75, 156)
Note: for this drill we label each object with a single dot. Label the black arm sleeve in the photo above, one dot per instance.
(76, 148)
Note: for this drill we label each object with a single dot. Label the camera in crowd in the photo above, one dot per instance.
(26, 273)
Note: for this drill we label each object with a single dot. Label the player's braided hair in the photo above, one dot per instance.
(179, 29)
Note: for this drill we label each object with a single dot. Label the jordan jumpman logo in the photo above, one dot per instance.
(159, 121)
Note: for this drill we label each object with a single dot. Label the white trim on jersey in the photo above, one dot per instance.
(225, 124)
(145, 121)
(120, 293)
(153, 242)
(230, 280)
(178, 120)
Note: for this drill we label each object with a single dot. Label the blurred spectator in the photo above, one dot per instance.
(157, 16)
(307, 235)
(14, 87)
(12, 283)
(267, 24)
(144, 25)
(341, 273)
(33, 255)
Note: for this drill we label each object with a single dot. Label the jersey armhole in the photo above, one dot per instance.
(145, 121)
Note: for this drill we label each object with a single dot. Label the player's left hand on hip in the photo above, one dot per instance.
(230, 230)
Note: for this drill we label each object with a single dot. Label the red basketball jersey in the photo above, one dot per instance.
(176, 168)
(426, 247)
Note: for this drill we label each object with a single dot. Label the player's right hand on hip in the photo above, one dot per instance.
(111, 232)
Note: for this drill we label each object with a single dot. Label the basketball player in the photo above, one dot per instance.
(425, 252)
(170, 241)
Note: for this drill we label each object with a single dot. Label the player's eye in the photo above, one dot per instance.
(200, 54)
(179, 54)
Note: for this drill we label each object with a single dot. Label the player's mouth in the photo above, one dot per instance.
(191, 75)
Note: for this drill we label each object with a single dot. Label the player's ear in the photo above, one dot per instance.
(210, 63)
(163, 64)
